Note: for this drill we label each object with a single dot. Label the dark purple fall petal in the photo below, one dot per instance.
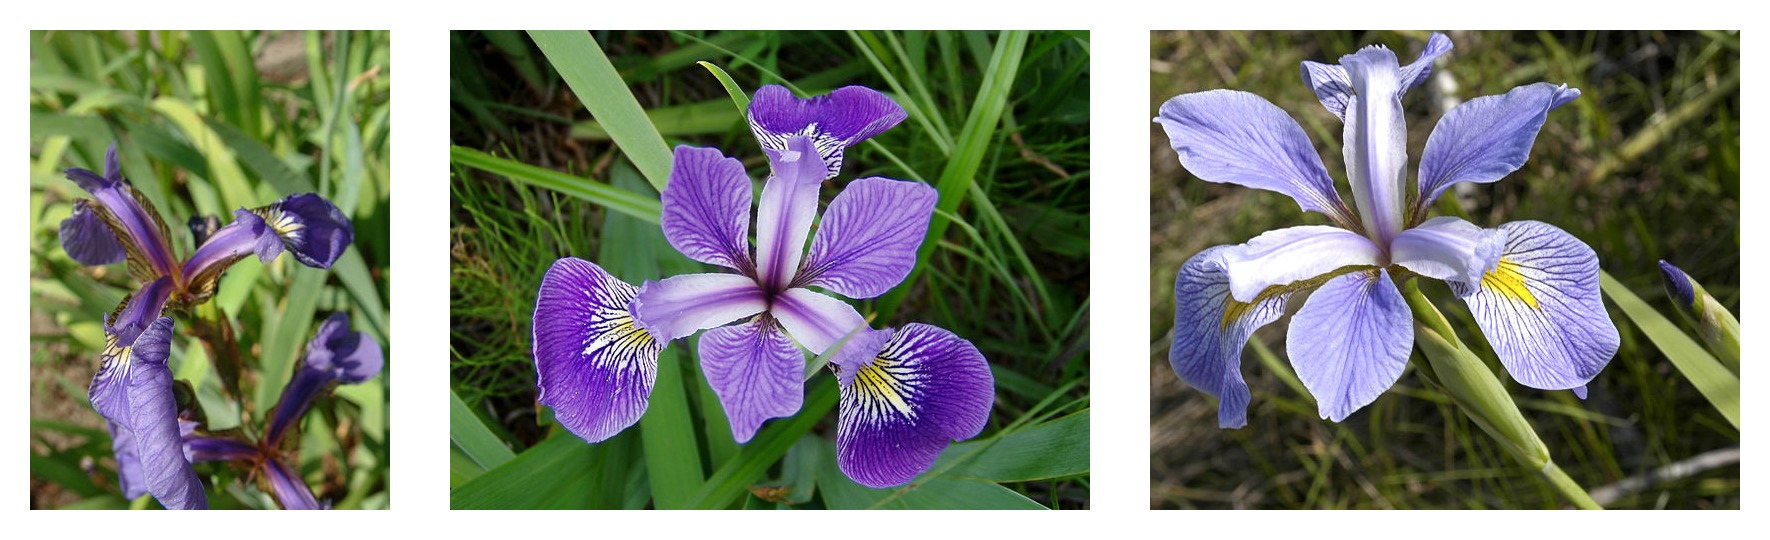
(314, 230)
(1486, 138)
(1351, 341)
(1210, 329)
(707, 208)
(129, 475)
(153, 421)
(785, 212)
(336, 353)
(288, 487)
(594, 364)
(1231, 137)
(756, 371)
(833, 121)
(868, 238)
(815, 320)
(87, 239)
(926, 388)
(681, 305)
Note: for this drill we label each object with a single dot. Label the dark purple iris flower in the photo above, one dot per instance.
(905, 394)
(1531, 287)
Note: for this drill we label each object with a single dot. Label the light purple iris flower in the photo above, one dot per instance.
(905, 394)
(133, 391)
(1533, 288)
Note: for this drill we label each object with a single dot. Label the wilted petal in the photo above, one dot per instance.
(783, 217)
(288, 487)
(248, 235)
(594, 365)
(867, 241)
(1285, 256)
(129, 475)
(1541, 308)
(336, 353)
(313, 230)
(1351, 341)
(815, 320)
(1232, 137)
(87, 239)
(1486, 138)
(756, 371)
(1449, 249)
(682, 305)
(153, 420)
(1210, 329)
(924, 389)
(1376, 140)
(707, 208)
(1334, 88)
(834, 121)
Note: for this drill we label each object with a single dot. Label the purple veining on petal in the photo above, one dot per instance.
(681, 305)
(785, 212)
(134, 222)
(924, 389)
(153, 420)
(706, 212)
(1376, 141)
(129, 475)
(86, 238)
(755, 371)
(815, 320)
(1334, 87)
(1210, 329)
(1232, 137)
(1284, 256)
(246, 236)
(1351, 341)
(1486, 138)
(833, 122)
(867, 241)
(594, 364)
(314, 230)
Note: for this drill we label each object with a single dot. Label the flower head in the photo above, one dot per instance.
(1532, 288)
(133, 391)
(335, 354)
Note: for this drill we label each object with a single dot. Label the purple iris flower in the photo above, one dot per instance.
(905, 394)
(1532, 288)
(133, 391)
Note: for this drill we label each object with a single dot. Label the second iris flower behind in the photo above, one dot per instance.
(905, 394)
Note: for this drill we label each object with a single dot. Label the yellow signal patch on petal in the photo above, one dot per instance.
(1505, 280)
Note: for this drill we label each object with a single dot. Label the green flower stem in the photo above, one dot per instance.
(1483, 397)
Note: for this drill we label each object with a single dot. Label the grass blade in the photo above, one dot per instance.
(473, 439)
(644, 207)
(596, 83)
(1720, 386)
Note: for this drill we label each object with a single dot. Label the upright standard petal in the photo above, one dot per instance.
(1486, 138)
(1350, 341)
(815, 320)
(926, 388)
(835, 121)
(314, 231)
(756, 371)
(1285, 256)
(1541, 309)
(593, 363)
(783, 216)
(288, 487)
(707, 208)
(868, 238)
(682, 305)
(1334, 87)
(1376, 141)
(153, 420)
(1448, 249)
(1232, 137)
(248, 235)
(1210, 329)
(87, 239)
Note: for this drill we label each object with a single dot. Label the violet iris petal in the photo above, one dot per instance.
(1486, 138)
(682, 305)
(1541, 309)
(707, 208)
(756, 372)
(140, 389)
(131, 217)
(1334, 87)
(1351, 341)
(900, 407)
(1448, 249)
(785, 211)
(313, 230)
(1231, 137)
(1284, 256)
(129, 475)
(336, 353)
(833, 121)
(815, 320)
(593, 363)
(87, 239)
(1376, 141)
(247, 235)
(867, 241)
(199, 449)
(1210, 329)
(288, 487)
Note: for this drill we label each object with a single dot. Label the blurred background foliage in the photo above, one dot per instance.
(207, 122)
(1010, 273)
(1643, 166)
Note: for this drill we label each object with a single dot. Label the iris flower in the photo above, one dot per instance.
(1532, 288)
(905, 394)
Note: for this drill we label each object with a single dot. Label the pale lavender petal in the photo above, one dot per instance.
(153, 420)
(756, 371)
(1415, 74)
(783, 217)
(1210, 329)
(1285, 256)
(1351, 341)
(87, 239)
(1232, 137)
(1541, 309)
(1376, 141)
(593, 363)
(314, 230)
(834, 121)
(1449, 249)
(1334, 87)
(868, 238)
(707, 208)
(682, 305)
(815, 320)
(1580, 392)
(1486, 138)
(129, 476)
(288, 487)
(924, 389)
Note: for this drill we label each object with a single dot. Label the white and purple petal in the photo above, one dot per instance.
(684, 304)
(1376, 141)
(1351, 340)
(785, 212)
(153, 421)
(834, 121)
(594, 364)
(756, 371)
(1448, 249)
(1210, 329)
(1486, 138)
(1541, 309)
(925, 388)
(1285, 256)
(1334, 88)
(815, 320)
(87, 239)
(1232, 137)
(868, 238)
(707, 208)
(315, 231)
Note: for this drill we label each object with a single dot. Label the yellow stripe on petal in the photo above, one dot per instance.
(1505, 280)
